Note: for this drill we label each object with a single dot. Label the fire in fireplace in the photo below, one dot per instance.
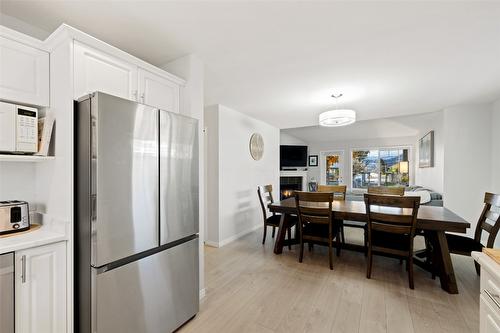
(288, 185)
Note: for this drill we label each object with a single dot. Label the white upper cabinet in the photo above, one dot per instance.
(41, 289)
(24, 73)
(158, 91)
(95, 70)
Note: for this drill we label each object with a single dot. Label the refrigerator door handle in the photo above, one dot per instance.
(93, 207)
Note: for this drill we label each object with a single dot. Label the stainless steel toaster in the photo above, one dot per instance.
(14, 216)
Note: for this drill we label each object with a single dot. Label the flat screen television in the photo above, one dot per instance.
(293, 156)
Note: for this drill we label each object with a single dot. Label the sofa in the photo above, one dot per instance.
(428, 196)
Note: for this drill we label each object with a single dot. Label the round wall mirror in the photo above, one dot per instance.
(256, 146)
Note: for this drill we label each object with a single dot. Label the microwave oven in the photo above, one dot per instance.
(18, 129)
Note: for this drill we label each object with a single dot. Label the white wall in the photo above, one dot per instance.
(402, 131)
(432, 178)
(212, 175)
(467, 160)
(20, 187)
(288, 139)
(347, 146)
(495, 148)
(238, 174)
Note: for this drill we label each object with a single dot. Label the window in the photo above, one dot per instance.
(375, 167)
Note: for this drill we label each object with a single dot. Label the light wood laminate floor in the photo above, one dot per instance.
(250, 289)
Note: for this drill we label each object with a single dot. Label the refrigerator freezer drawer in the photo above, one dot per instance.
(154, 294)
(178, 176)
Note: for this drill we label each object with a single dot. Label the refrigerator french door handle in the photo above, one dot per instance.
(93, 207)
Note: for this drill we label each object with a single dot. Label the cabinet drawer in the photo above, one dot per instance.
(489, 317)
(24, 73)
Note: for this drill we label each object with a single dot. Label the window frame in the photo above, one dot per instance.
(385, 147)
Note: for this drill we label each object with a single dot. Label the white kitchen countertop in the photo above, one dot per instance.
(485, 261)
(42, 236)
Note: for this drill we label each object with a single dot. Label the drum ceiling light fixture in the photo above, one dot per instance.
(337, 117)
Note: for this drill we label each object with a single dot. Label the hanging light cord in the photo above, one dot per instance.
(336, 99)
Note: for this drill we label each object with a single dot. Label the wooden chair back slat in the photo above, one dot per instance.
(318, 197)
(392, 219)
(392, 201)
(315, 208)
(395, 229)
(315, 219)
(387, 190)
(487, 227)
(489, 220)
(338, 191)
(394, 223)
(265, 194)
(492, 199)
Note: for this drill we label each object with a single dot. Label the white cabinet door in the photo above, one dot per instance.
(24, 73)
(41, 289)
(158, 91)
(95, 70)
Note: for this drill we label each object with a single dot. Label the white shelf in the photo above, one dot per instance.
(24, 158)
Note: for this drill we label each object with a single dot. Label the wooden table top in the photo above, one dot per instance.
(429, 217)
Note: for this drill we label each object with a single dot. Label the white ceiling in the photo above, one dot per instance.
(402, 126)
(280, 61)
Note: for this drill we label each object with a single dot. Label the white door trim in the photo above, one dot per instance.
(322, 165)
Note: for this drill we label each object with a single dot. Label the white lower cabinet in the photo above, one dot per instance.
(40, 286)
(489, 298)
(489, 319)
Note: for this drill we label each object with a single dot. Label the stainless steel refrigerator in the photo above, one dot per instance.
(136, 231)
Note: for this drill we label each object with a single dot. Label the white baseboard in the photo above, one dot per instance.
(202, 293)
(239, 235)
(232, 238)
(211, 244)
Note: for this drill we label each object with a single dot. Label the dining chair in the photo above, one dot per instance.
(382, 190)
(316, 224)
(489, 221)
(386, 190)
(391, 228)
(339, 192)
(265, 194)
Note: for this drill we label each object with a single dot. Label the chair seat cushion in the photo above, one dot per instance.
(275, 220)
(462, 244)
(319, 230)
(390, 240)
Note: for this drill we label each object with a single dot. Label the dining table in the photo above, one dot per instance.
(431, 220)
